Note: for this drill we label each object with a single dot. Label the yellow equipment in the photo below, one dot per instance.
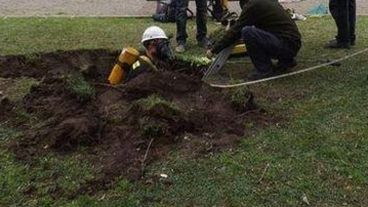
(126, 58)
(239, 49)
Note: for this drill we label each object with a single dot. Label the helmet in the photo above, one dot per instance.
(153, 32)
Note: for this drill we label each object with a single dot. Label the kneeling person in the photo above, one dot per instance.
(268, 32)
(131, 63)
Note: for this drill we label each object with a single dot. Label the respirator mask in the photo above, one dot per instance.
(164, 51)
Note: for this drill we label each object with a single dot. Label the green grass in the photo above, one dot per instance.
(149, 127)
(320, 153)
(17, 90)
(46, 182)
(79, 87)
(155, 100)
(29, 35)
(239, 96)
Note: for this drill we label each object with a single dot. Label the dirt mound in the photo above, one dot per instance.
(165, 106)
(94, 64)
(124, 128)
(58, 63)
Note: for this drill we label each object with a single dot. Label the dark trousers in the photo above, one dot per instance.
(344, 14)
(181, 20)
(262, 46)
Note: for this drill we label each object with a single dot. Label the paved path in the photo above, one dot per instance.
(118, 7)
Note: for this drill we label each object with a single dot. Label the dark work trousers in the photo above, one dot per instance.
(262, 46)
(344, 14)
(181, 20)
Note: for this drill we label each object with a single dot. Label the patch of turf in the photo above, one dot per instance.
(154, 100)
(20, 88)
(79, 87)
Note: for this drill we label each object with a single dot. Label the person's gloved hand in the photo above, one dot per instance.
(209, 54)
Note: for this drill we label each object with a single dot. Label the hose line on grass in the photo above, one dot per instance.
(288, 74)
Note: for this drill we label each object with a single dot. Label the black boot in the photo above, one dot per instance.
(284, 65)
(256, 75)
(335, 44)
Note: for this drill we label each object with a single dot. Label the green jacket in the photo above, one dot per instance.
(267, 15)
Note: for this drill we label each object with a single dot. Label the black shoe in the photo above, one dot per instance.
(352, 40)
(258, 75)
(334, 44)
(284, 66)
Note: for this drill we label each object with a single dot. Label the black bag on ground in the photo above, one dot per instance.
(166, 13)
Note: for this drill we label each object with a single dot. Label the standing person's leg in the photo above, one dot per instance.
(181, 24)
(333, 6)
(352, 20)
(201, 20)
(339, 12)
(343, 22)
(261, 47)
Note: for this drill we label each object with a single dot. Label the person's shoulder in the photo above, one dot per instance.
(141, 50)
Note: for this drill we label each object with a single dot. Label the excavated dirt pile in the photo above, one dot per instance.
(123, 128)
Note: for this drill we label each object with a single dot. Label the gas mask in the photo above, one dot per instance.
(163, 50)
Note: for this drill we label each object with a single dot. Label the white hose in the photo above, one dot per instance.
(288, 74)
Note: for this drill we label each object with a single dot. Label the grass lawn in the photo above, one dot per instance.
(319, 156)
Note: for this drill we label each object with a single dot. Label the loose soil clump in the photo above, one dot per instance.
(124, 128)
